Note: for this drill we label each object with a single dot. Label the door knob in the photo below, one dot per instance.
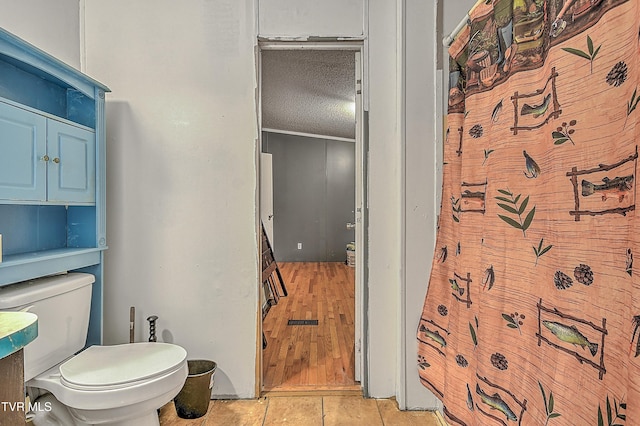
(351, 225)
(56, 160)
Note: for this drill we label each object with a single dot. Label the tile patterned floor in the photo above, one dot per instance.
(304, 411)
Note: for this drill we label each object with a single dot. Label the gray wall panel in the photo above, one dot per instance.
(313, 197)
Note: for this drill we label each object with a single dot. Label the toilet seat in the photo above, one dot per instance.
(120, 366)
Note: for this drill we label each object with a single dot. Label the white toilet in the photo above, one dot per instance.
(107, 385)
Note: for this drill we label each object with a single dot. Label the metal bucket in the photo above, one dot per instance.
(193, 400)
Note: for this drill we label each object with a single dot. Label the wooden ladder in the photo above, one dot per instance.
(269, 269)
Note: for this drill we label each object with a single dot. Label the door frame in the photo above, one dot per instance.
(361, 203)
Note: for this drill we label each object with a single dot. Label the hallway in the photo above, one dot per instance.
(312, 357)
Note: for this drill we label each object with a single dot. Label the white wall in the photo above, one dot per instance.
(52, 26)
(420, 208)
(299, 18)
(423, 102)
(384, 200)
(181, 167)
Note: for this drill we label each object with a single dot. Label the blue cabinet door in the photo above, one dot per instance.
(23, 147)
(72, 163)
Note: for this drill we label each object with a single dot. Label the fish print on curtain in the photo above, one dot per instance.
(532, 313)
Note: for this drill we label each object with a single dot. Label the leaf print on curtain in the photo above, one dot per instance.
(532, 293)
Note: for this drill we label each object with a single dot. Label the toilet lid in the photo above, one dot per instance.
(118, 365)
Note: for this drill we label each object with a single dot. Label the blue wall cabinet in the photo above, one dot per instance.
(42, 159)
(23, 144)
(52, 170)
(72, 167)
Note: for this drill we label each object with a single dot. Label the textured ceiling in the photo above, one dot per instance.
(309, 91)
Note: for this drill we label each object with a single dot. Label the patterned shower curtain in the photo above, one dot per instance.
(532, 313)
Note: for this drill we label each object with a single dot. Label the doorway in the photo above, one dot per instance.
(311, 144)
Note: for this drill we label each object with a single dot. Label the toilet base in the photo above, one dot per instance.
(59, 414)
(150, 418)
(122, 416)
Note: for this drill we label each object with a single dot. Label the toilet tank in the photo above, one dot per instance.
(62, 304)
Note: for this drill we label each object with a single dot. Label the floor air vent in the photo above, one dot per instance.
(302, 322)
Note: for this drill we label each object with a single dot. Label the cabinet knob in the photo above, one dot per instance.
(56, 160)
(45, 158)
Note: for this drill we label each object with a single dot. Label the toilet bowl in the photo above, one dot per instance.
(119, 385)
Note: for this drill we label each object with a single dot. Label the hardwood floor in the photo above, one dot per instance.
(309, 357)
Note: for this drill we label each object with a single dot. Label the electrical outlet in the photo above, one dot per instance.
(299, 246)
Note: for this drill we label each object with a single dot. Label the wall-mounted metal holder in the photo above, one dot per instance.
(152, 328)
